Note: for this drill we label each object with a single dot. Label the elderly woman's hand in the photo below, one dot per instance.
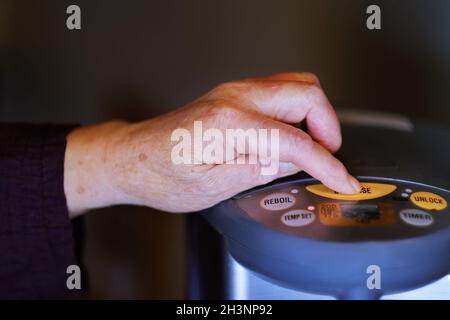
(142, 163)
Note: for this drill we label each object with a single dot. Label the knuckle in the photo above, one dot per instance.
(338, 143)
(315, 95)
(314, 90)
(303, 143)
(312, 76)
(222, 109)
(227, 87)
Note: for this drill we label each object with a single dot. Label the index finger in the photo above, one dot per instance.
(299, 148)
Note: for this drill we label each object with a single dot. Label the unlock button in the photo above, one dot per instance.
(428, 201)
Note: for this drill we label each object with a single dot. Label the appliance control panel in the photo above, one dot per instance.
(384, 209)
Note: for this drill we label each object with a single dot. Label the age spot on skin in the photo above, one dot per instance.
(142, 157)
(80, 190)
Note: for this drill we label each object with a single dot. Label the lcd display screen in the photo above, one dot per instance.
(360, 211)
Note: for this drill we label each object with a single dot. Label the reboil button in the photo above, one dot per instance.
(277, 201)
(428, 200)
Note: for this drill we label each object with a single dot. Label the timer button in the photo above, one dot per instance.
(416, 217)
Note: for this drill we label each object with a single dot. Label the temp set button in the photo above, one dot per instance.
(298, 218)
(368, 191)
(277, 201)
(428, 200)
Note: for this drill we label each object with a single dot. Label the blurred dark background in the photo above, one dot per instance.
(138, 59)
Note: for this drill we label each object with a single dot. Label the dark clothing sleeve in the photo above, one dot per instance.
(36, 235)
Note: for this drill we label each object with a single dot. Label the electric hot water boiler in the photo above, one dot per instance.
(296, 239)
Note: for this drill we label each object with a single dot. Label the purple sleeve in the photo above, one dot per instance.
(36, 236)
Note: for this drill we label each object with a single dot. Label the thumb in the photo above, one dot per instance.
(242, 175)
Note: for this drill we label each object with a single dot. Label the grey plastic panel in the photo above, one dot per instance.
(386, 213)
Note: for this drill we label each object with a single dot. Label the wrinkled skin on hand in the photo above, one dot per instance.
(130, 163)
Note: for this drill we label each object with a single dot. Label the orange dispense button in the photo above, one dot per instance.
(368, 191)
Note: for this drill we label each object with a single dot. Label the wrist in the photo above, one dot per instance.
(88, 183)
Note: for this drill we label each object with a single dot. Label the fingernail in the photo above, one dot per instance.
(355, 184)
